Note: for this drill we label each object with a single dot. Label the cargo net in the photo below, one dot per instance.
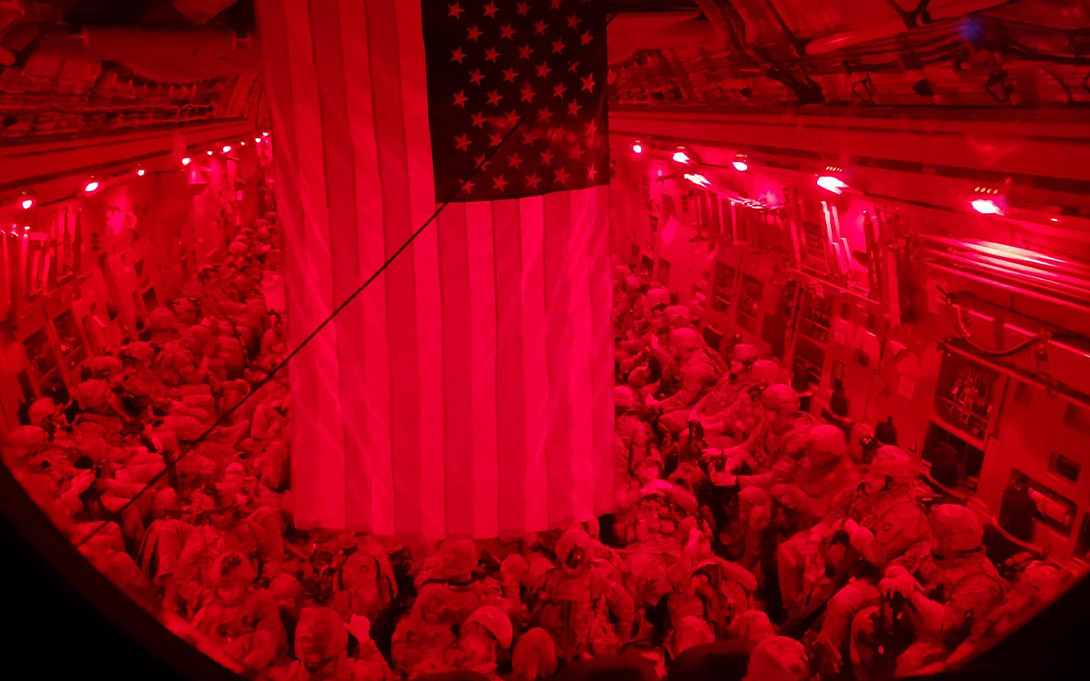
(745, 528)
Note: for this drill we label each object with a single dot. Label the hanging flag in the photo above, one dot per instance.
(468, 391)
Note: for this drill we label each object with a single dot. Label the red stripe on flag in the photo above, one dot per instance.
(400, 278)
(579, 390)
(426, 256)
(372, 474)
(312, 187)
(534, 362)
(601, 359)
(457, 371)
(511, 430)
(339, 173)
(559, 352)
(305, 481)
(482, 322)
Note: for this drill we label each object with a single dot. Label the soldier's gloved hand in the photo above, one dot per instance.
(902, 584)
(786, 494)
(656, 486)
(82, 482)
(724, 479)
(855, 531)
(713, 454)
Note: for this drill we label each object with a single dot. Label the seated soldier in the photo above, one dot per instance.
(944, 593)
(781, 431)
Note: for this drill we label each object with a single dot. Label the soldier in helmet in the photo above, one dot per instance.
(881, 519)
(781, 432)
(825, 471)
(944, 593)
(650, 510)
(365, 583)
(483, 639)
(452, 571)
(45, 413)
(698, 371)
(241, 617)
(630, 431)
(1037, 586)
(725, 392)
(422, 636)
(712, 589)
(778, 658)
(534, 656)
(733, 423)
(585, 611)
(321, 651)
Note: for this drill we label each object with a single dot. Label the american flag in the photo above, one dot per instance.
(467, 391)
(493, 64)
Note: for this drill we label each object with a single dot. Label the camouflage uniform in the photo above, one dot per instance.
(585, 611)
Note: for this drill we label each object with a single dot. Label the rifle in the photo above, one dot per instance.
(839, 573)
(891, 635)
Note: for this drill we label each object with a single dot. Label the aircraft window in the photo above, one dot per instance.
(749, 302)
(71, 342)
(955, 463)
(1082, 548)
(1049, 507)
(664, 272)
(40, 354)
(964, 396)
(712, 337)
(724, 276)
(1064, 467)
(1077, 419)
(151, 301)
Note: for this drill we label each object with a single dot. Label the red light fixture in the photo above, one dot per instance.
(209, 152)
(264, 134)
(637, 147)
(92, 186)
(987, 201)
(27, 201)
(257, 140)
(186, 161)
(741, 163)
(986, 207)
(830, 182)
(697, 179)
(227, 148)
(140, 172)
(681, 157)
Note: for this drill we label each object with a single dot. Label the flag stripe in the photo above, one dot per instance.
(559, 351)
(372, 212)
(426, 262)
(401, 285)
(304, 472)
(482, 319)
(511, 432)
(339, 172)
(371, 418)
(534, 361)
(457, 371)
(582, 208)
(329, 431)
(601, 293)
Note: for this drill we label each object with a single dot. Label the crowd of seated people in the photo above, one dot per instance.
(740, 521)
